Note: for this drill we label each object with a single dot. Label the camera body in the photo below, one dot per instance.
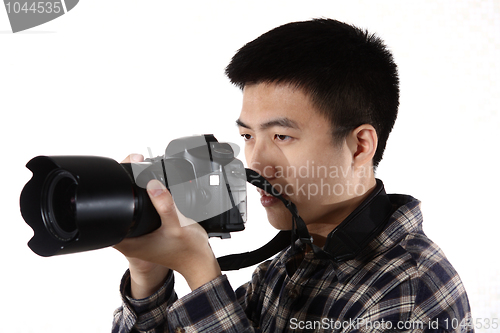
(207, 182)
(82, 203)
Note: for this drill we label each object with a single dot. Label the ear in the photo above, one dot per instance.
(362, 143)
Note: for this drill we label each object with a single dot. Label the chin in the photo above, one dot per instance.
(280, 219)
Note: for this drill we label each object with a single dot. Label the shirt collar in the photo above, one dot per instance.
(406, 219)
(351, 237)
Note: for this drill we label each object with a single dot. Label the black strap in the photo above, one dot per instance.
(258, 181)
(278, 243)
(241, 260)
(343, 243)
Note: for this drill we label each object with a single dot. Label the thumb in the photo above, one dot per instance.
(162, 200)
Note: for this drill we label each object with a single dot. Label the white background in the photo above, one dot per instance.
(117, 76)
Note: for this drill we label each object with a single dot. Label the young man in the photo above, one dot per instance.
(319, 101)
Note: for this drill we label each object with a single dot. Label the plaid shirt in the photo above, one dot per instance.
(402, 282)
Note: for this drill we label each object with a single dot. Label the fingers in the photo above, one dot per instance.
(162, 200)
(133, 158)
(164, 203)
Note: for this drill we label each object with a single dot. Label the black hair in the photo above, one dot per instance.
(349, 74)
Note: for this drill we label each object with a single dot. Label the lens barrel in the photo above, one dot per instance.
(82, 203)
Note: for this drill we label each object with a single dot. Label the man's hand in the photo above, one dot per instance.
(183, 248)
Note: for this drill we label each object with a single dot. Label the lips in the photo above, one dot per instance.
(266, 199)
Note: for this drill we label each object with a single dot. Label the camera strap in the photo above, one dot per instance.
(344, 243)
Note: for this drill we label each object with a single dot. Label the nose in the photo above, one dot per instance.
(262, 159)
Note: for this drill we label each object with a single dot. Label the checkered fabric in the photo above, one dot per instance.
(401, 282)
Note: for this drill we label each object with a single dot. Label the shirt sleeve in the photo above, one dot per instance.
(143, 315)
(212, 307)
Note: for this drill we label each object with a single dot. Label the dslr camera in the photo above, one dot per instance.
(82, 203)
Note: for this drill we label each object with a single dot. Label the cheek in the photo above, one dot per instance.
(316, 182)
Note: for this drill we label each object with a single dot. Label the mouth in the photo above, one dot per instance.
(268, 200)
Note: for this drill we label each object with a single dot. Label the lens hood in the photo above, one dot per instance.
(81, 203)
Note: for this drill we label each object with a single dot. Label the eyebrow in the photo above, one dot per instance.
(279, 122)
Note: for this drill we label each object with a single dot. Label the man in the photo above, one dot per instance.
(319, 101)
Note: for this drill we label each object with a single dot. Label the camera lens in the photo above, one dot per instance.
(59, 204)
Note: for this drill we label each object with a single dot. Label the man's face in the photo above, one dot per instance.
(290, 144)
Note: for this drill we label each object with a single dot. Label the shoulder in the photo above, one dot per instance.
(425, 262)
(439, 291)
(421, 277)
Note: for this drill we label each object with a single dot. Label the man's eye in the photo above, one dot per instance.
(281, 137)
(246, 137)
